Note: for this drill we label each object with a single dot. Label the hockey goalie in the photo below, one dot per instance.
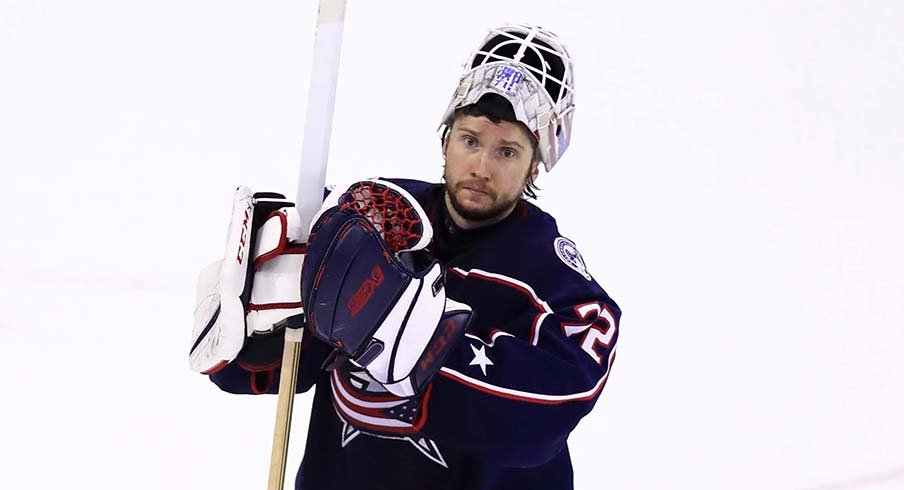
(453, 337)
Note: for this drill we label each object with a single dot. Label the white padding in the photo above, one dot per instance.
(277, 283)
(388, 332)
(402, 388)
(424, 319)
(219, 336)
(406, 340)
(271, 236)
(278, 280)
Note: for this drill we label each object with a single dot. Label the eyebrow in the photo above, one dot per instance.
(513, 143)
(505, 142)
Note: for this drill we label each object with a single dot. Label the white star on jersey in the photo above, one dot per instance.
(480, 358)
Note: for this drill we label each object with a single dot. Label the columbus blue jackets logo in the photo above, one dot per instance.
(365, 408)
(568, 253)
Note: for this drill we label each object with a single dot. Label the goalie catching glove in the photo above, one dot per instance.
(371, 290)
(261, 251)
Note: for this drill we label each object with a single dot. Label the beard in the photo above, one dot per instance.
(494, 211)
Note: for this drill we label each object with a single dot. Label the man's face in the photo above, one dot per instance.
(487, 166)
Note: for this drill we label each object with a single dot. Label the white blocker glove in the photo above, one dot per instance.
(255, 287)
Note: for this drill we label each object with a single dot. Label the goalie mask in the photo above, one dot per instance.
(530, 67)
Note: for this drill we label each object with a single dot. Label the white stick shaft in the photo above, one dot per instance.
(311, 179)
(319, 120)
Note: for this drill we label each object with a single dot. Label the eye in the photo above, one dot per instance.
(508, 153)
(470, 141)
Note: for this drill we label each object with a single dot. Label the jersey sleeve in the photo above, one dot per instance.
(256, 370)
(513, 390)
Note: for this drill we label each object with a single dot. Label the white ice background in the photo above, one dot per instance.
(734, 182)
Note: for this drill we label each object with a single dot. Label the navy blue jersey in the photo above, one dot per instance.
(497, 416)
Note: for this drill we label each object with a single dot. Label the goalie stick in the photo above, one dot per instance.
(311, 180)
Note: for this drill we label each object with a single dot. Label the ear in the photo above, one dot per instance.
(536, 171)
(445, 144)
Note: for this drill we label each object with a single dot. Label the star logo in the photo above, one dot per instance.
(480, 358)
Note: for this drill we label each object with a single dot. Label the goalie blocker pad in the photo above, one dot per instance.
(224, 288)
(385, 312)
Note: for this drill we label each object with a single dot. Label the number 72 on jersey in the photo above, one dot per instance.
(597, 326)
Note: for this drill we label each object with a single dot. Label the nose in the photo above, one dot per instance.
(480, 166)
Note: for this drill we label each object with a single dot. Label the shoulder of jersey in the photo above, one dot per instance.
(528, 248)
(538, 252)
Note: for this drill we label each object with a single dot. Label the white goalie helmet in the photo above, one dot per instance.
(531, 68)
